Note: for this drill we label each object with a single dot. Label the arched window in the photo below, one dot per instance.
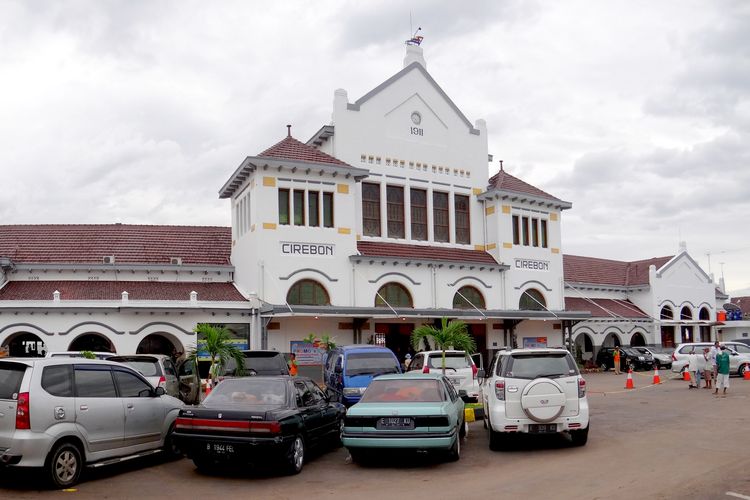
(308, 293)
(393, 293)
(532, 300)
(666, 313)
(686, 313)
(704, 315)
(468, 297)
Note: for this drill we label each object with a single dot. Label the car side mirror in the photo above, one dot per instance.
(159, 391)
(462, 394)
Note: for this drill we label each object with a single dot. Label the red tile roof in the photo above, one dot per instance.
(130, 244)
(291, 149)
(112, 290)
(423, 252)
(590, 270)
(506, 182)
(604, 307)
(743, 303)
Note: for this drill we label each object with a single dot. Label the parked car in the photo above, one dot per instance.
(535, 391)
(158, 369)
(78, 354)
(415, 411)
(662, 355)
(350, 369)
(459, 368)
(629, 358)
(258, 363)
(738, 363)
(62, 414)
(251, 420)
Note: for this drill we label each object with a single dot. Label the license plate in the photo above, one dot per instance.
(454, 381)
(542, 428)
(220, 448)
(395, 423)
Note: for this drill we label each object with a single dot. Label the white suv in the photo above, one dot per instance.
(535, 391)
(460, 369)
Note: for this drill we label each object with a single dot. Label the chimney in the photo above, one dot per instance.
(683, 246)
(414, 54)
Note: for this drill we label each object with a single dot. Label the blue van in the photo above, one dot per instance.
(350, 369)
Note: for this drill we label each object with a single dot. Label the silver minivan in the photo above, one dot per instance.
(62, 414)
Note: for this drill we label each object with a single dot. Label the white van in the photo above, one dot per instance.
(739, 356)
(460, 369)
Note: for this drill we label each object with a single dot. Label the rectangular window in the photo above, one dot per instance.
(525, 230)
(313, 213)
(370, 209)
(418, 214)
(299, 207)
(535, 232)
(544, 234)
(283, 206)
(94, 383)
(327, 209)
(516, 232)
(395, 206)
(463, 225)
(440, 219)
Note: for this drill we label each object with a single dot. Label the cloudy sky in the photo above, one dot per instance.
(638, 112)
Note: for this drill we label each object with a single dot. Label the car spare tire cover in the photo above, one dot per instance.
(543, 400)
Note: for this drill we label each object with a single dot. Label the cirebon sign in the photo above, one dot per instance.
(309, 249)
(532, 265)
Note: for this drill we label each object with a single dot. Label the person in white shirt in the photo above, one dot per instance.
(712, 356)
(693, 369)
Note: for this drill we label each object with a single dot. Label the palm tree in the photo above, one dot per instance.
(215, 341)
(452, 335)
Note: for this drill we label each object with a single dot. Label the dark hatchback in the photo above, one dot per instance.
(256, 420)
(629, 358)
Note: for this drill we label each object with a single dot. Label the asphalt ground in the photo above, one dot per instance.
(663, 442)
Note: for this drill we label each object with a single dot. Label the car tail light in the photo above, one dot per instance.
(674, 358)
(162, 382)
(474, 370)
(574, 425)
(500, 390)
(511, 427)
(581, 387)
(207, 424)
(23, 419)
(271, 427)
(426, 369)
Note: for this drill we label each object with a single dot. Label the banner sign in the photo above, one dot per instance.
(532, 342)
(307, 354)
(238, 343)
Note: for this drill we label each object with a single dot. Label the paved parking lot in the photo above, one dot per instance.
(661, 442)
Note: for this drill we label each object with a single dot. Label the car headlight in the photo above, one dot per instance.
(354, 391)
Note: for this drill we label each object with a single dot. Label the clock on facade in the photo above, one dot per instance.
(416, 118)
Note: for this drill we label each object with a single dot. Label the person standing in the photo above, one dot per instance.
(722, 365)
(616, 360)
(712, 354)
(293, 368)
(708, 371)
(693, 369)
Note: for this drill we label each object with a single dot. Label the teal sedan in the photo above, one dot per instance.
(415, 411)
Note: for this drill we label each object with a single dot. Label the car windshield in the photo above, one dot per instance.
(400, 390)
(547, 365)
(147, 368)
(370, 363)
(454, 360)
(250, 391)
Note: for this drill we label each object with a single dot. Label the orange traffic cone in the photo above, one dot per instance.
(746, 375)
(657, 380)
(629, 381)
(686, 376)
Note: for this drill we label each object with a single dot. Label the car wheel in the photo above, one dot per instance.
(463, 430)
(743, 368)
(295, 456)
(455, 451)
(339, 439)
(171, 450)
(63, 466)
(580, 437)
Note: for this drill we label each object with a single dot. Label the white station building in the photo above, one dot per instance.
(385, 219)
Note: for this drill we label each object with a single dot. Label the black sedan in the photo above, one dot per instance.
(629, 358)
(256, 420)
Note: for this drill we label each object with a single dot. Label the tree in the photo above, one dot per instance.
(215, 342)
(452, 335)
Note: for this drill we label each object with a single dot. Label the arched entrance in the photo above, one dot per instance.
(612, 340)
(687, 331)
(637, 340)
(584, 345)
(91, 342)
(157, 343)
(25, 345)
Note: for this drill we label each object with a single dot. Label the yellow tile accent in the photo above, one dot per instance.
(345, 230)
(506, 209)
(490, 210)
(491, 246)
(269, 181)
(479, 248)
(476, 191)
(359, 237)
(552, 216)
(342, 188)
(507, 245)
(269, 225)
(555, 250)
